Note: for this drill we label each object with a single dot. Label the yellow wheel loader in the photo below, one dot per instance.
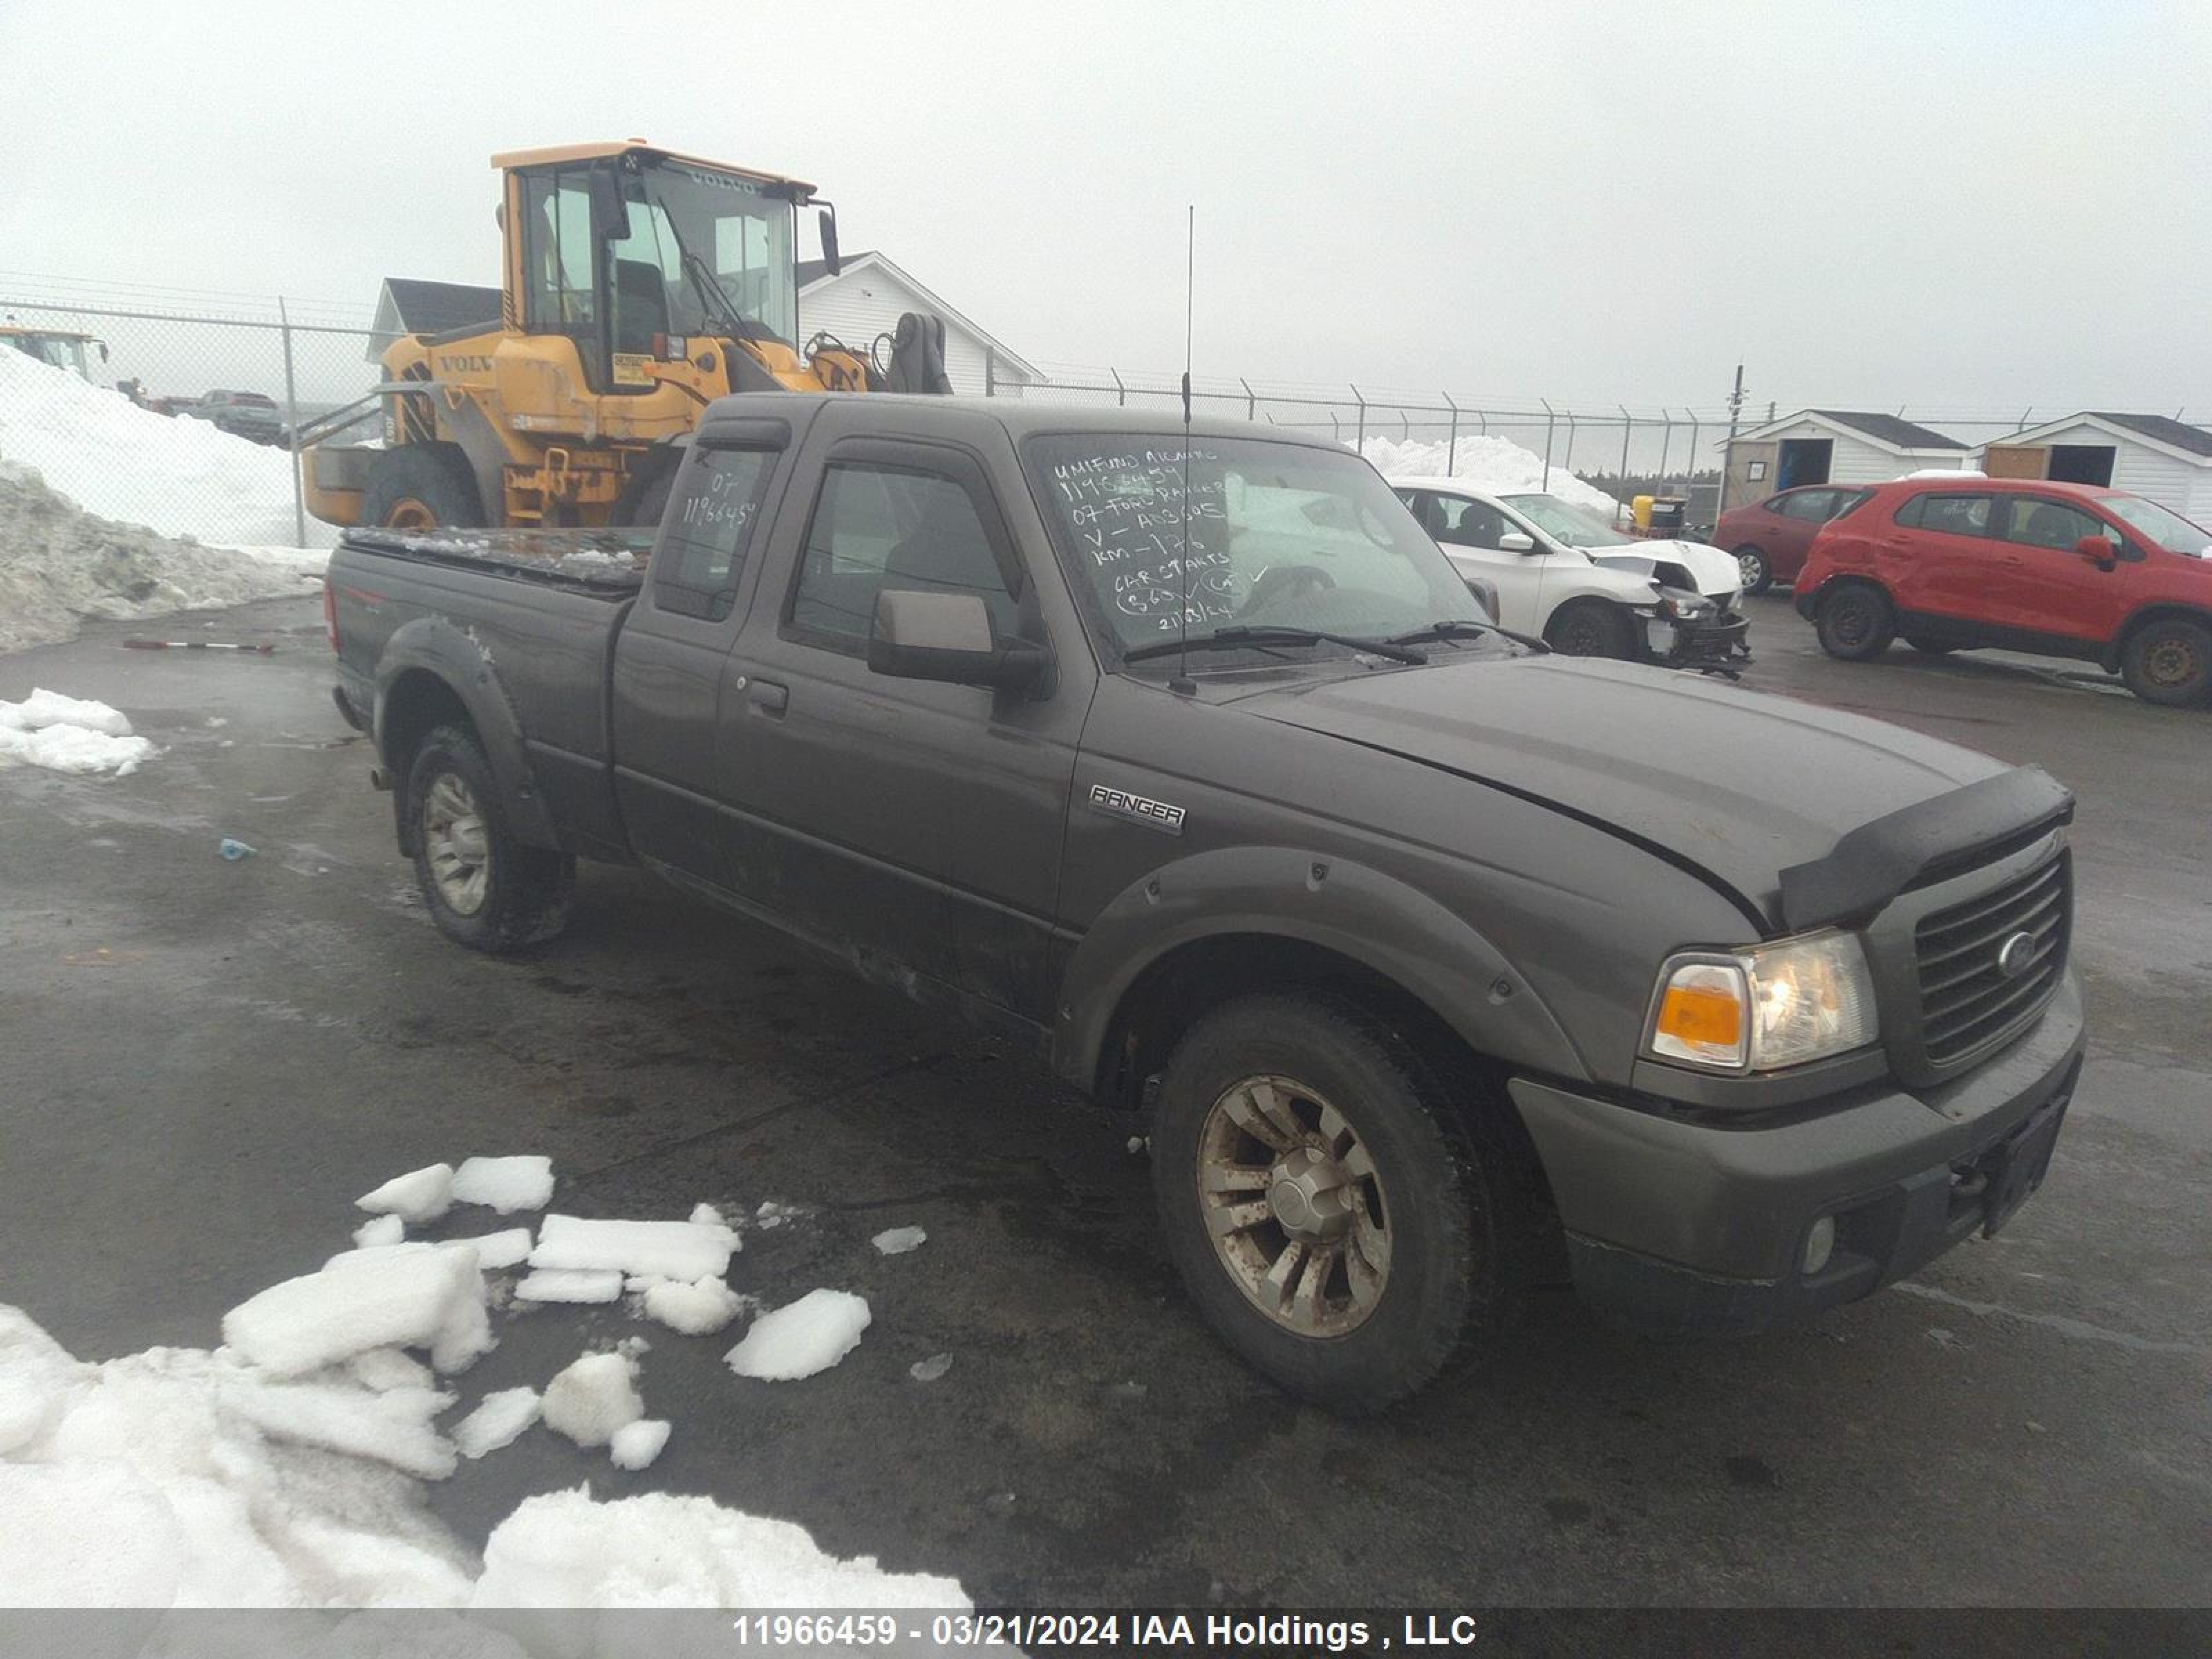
(638, 285)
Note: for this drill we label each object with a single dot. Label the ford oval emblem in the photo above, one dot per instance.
(2016, 955)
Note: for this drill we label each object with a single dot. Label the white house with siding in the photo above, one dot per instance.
(866, 299)
(2155, 456)
(1830, 445)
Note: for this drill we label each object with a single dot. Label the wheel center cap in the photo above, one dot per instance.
(1306, 1192)
(466, 837)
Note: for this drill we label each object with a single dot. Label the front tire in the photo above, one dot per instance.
(1340, 1221)
(419, 487)
(1857, 623)
(1751, 563)
(1592, 628)
(483, 887)
(2168, 661)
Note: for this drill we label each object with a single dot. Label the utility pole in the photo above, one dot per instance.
(1728, 448)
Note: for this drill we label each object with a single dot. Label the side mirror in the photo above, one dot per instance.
(831, 262)
(608, 210)
(1486, 595)
(2097, 550)
(949, 637)
(1516, 541)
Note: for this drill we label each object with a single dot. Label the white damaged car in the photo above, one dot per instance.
(1588, 588)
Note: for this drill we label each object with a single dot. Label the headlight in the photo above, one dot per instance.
(1684, 607)
(1764, 1008)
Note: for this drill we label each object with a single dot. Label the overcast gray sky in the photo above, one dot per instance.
(1943, 205)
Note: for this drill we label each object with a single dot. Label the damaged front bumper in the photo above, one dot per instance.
(1718, 644)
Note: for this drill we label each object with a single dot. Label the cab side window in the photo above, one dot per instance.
(1811, 506)
(877, 525)
(1464, 523)
(708, 530)
(558, 261)
(2036, 522)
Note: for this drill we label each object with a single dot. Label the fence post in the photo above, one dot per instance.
(1360, 442)
(1627, 429)
(292, 429)
(1549, 421)
(1249, 403)
(1121, 392)
(1451, 445)
(1689, 471)
(1666, 443)
(1568, 465)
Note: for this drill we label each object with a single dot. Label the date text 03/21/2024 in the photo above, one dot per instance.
(1243, 1632)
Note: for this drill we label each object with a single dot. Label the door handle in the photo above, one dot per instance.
(769, 697)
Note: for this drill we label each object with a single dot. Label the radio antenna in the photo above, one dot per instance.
(1182, 682)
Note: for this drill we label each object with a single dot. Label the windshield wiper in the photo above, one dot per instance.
(1226, 639)
(1456, 628)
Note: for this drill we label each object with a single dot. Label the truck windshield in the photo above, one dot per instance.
(717, 248)
(1281, 535)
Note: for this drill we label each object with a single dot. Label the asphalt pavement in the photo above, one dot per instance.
(202, 1062)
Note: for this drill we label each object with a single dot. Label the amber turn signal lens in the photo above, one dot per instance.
(1703, 1015)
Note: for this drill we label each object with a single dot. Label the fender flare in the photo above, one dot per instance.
(457, 659)
(2148, 611)
(1317, 898)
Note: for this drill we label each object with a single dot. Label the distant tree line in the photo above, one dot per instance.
(1626, 486)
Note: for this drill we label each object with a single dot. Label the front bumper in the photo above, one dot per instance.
(1721, 645)
(1806, 600)
(1675, 1226)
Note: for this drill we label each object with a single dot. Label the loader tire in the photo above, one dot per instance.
(421, 487)
(644, 497)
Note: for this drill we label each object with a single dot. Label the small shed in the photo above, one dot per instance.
(408, 305)
(2155, 456)
(867, 297)
(1832, 446)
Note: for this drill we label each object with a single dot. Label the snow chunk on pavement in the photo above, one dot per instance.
(563, 1550)
(635, 1445)
(43, 708)
(392, 1427)
(698, 1308)
(509, 1248)
(897, 1241)
(69, 734)
(568, 1285)
(416, 1197)
(498, 1420)
(385, 1230)
(506, 1184)
(802, 1338)
(593, 1398)
(387, 1368)
(929, 1370)
(657, 1250)
(395, 1299)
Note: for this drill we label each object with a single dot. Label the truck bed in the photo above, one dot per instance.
(603, 564)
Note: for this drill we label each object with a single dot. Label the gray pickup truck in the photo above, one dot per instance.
(1434, 965)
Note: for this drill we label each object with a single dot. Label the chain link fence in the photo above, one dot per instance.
(169, 350)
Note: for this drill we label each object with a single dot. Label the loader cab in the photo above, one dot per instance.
(643, 257)
(61, 348)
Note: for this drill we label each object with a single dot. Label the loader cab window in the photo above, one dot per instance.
(562, 294)
(723, 249)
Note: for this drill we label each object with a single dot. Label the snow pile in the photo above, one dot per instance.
(176, 475)
(1495, 464)
(180, 1477)
(563, 1550)
(69, 734)
(59, 564)
(504, 1184)
(568, 1285)
(809, 1335)
(509, 1248)
(684, 1250)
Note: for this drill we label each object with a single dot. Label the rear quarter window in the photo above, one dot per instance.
(708, 530)
(1850, 502)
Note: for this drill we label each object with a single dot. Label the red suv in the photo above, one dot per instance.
(1770, 538)
(2062, 570)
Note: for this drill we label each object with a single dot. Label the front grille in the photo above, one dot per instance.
(1967, 1003)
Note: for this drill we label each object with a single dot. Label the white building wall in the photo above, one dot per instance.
(1854, 461)
(865, 301)
(2137, 467)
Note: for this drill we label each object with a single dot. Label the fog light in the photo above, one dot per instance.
(1820, 1244)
